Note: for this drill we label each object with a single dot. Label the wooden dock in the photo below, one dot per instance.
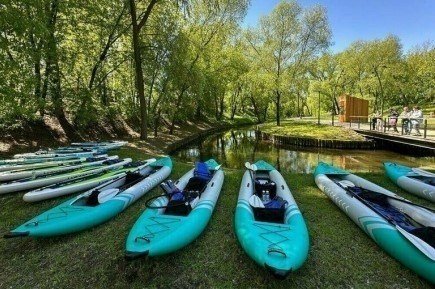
(406, 144)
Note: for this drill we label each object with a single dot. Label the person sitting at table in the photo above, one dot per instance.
(416, 118)
(392, 120)
(406, 124)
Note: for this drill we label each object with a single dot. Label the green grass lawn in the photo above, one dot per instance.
(306, 129)
(341, 255)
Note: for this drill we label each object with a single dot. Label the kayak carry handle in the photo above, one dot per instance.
(142, 238)
(275, 250)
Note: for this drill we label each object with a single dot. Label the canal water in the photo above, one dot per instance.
(234, 147)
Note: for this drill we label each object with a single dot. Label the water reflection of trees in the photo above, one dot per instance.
(233, 148)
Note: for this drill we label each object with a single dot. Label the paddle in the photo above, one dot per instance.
(106, 195)
(251, 167)
(423, 173)
(148, 161)
(256, 202)
(420, 244)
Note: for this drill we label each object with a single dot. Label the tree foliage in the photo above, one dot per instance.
(159, 63)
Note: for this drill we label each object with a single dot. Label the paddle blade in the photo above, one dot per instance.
(106, 195)
(418, 243)
(423, 173)
(248, 165)
(256, 202)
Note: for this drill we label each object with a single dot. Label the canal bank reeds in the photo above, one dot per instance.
(341, 255)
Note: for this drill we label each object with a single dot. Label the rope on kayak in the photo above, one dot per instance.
(278, 229)
(59, 214)
(157, 223)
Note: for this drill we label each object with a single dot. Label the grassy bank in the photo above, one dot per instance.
(341, 255)
(304, 129)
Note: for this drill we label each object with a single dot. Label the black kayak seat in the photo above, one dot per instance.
(93, 198)
(265, 185)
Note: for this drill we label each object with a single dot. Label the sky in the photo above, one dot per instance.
(413, 21)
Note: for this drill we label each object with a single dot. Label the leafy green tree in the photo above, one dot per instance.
(420, 75)
(286, 39)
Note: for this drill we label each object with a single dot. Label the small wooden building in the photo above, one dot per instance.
(353, 109)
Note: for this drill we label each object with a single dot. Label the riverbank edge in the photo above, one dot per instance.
(367, 144)
(165, 143)
(275, 139)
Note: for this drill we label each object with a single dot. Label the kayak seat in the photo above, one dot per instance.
(263, 185)
(431, 181)
(134, 164)
(95, 159)
(112, 162)
(92, 200)
(427, 234)
(272, 211)
(201, 171)
(195, 185)
(274, 208)
(179, 202)
(131, 178)
(380, 203)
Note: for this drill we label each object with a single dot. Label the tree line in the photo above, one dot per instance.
(153, 62)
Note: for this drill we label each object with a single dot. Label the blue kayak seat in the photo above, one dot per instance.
(201, 171)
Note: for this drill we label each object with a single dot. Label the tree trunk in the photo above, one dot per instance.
(278, 105)
(177, 107)
(139, 72)
(136, 28)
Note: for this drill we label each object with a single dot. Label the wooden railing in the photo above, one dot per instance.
(383, 124)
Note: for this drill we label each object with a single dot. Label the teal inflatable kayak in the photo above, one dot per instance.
(413, 180)
(403, 229)
(268, 222)
(176, 218)
(98, 205)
